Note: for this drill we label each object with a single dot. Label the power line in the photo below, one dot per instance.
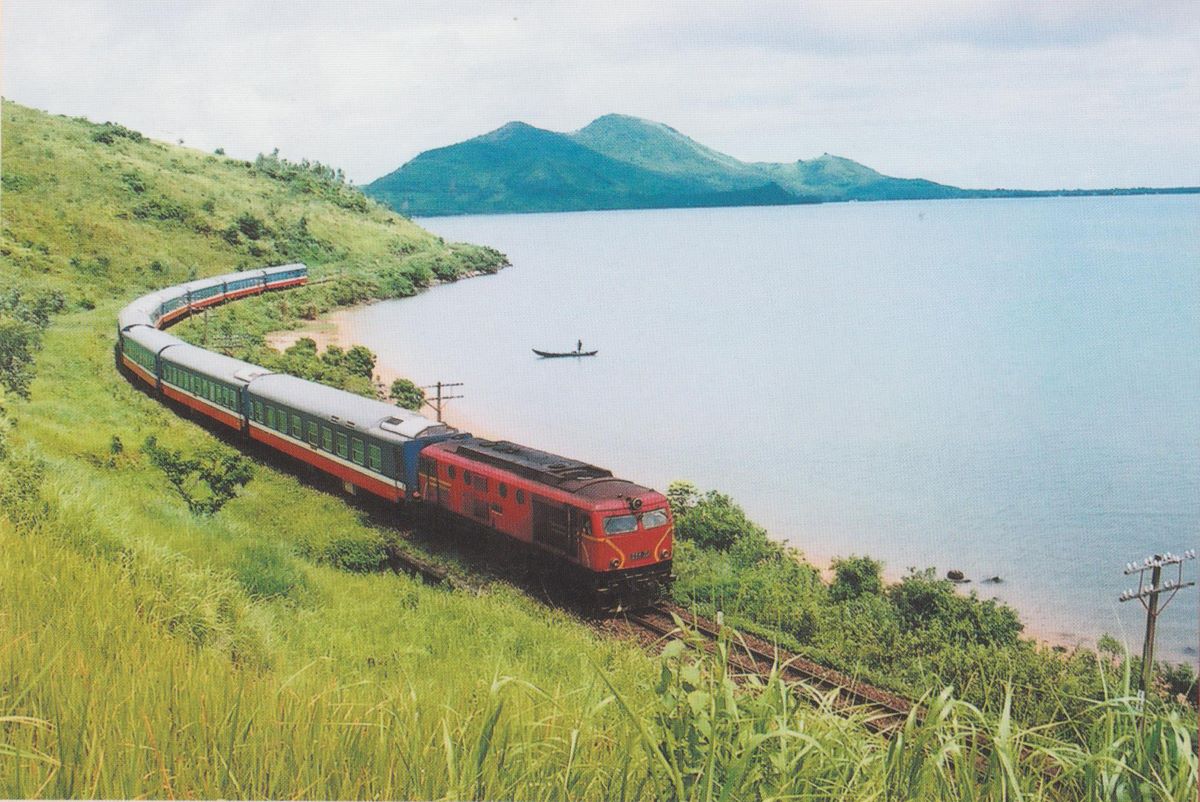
(1148, 595)
(439, 399)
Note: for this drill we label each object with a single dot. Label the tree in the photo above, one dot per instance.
(205, 481)
(855, 576)
(714, 521)
(407, 395)
(359, 361)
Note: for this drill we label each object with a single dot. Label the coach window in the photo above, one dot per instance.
(327, 438)
(343, 445)
(258, 411)
(356, 450)
(297, 427)
(374, 458)
(271, 417)
(520, 496)
(503, 490)
(313, 437)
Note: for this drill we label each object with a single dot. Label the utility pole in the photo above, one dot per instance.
(440, 398)
(1148, 595)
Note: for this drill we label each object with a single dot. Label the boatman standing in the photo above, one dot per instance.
(579, 347)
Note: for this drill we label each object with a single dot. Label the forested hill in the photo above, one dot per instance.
(622, 162)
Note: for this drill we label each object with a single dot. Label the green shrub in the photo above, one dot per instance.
(855, 576)
(360, 553)
(108, 133)
(207, 480)
(266, 572)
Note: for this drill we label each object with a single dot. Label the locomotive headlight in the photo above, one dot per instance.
(665, 554)
(614, 562)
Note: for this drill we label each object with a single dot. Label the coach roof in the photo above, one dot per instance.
(217, 366)
(365, 414)
(151, 338)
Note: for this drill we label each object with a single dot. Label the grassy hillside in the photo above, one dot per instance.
(264, 650)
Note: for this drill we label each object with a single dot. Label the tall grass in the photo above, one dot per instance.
(99, 701)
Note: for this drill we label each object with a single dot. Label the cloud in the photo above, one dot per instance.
(976, 94)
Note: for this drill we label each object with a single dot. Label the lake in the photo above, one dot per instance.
(1005, 387)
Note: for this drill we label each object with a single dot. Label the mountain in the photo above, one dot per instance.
(623, 162)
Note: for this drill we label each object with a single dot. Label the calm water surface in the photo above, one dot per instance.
(1006, 387)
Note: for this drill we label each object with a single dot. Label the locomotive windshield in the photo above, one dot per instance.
(654, 518)
(620, 524)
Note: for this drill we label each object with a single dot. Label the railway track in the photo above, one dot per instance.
(880, 710)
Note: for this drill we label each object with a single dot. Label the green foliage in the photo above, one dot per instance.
(206, 481)
(161, 209)
(251, 226)
(407, 395)
(360, 553)
(855, 576)
(359, 361)
(712, 520)
(108, 133)
(23, 317)
(267, 573)
(915, 636)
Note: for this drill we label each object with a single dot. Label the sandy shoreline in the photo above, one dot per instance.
(334, 329)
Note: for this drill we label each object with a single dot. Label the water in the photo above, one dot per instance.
(1006, 387)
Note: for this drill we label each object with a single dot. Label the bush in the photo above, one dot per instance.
(108, 133)
(266, 573)
(855, 576)
(250, 226)
(358, 553)
(161, 209)
(714, 521)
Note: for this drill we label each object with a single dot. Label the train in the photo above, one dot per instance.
(606, 539)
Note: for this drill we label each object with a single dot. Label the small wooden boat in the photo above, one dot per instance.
(556, 354)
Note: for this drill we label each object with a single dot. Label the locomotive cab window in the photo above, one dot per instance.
(520, 496)
(654, 518)
(620, 524)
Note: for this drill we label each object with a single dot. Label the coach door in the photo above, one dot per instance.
(552, 526)
(433, 487)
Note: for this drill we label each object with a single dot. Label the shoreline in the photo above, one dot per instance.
(334, 328)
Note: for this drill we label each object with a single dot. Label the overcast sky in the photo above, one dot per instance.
(1054, 93)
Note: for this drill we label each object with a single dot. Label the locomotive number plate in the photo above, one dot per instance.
(639, 555)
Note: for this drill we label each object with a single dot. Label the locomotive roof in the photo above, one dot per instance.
(569, 475)
(218, 366)
(151, 338)
(382, 420)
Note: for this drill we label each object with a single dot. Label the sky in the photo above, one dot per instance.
(1037, 95)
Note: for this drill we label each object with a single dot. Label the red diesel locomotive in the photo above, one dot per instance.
(614, 535)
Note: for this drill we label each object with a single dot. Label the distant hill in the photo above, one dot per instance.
(622, 162)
